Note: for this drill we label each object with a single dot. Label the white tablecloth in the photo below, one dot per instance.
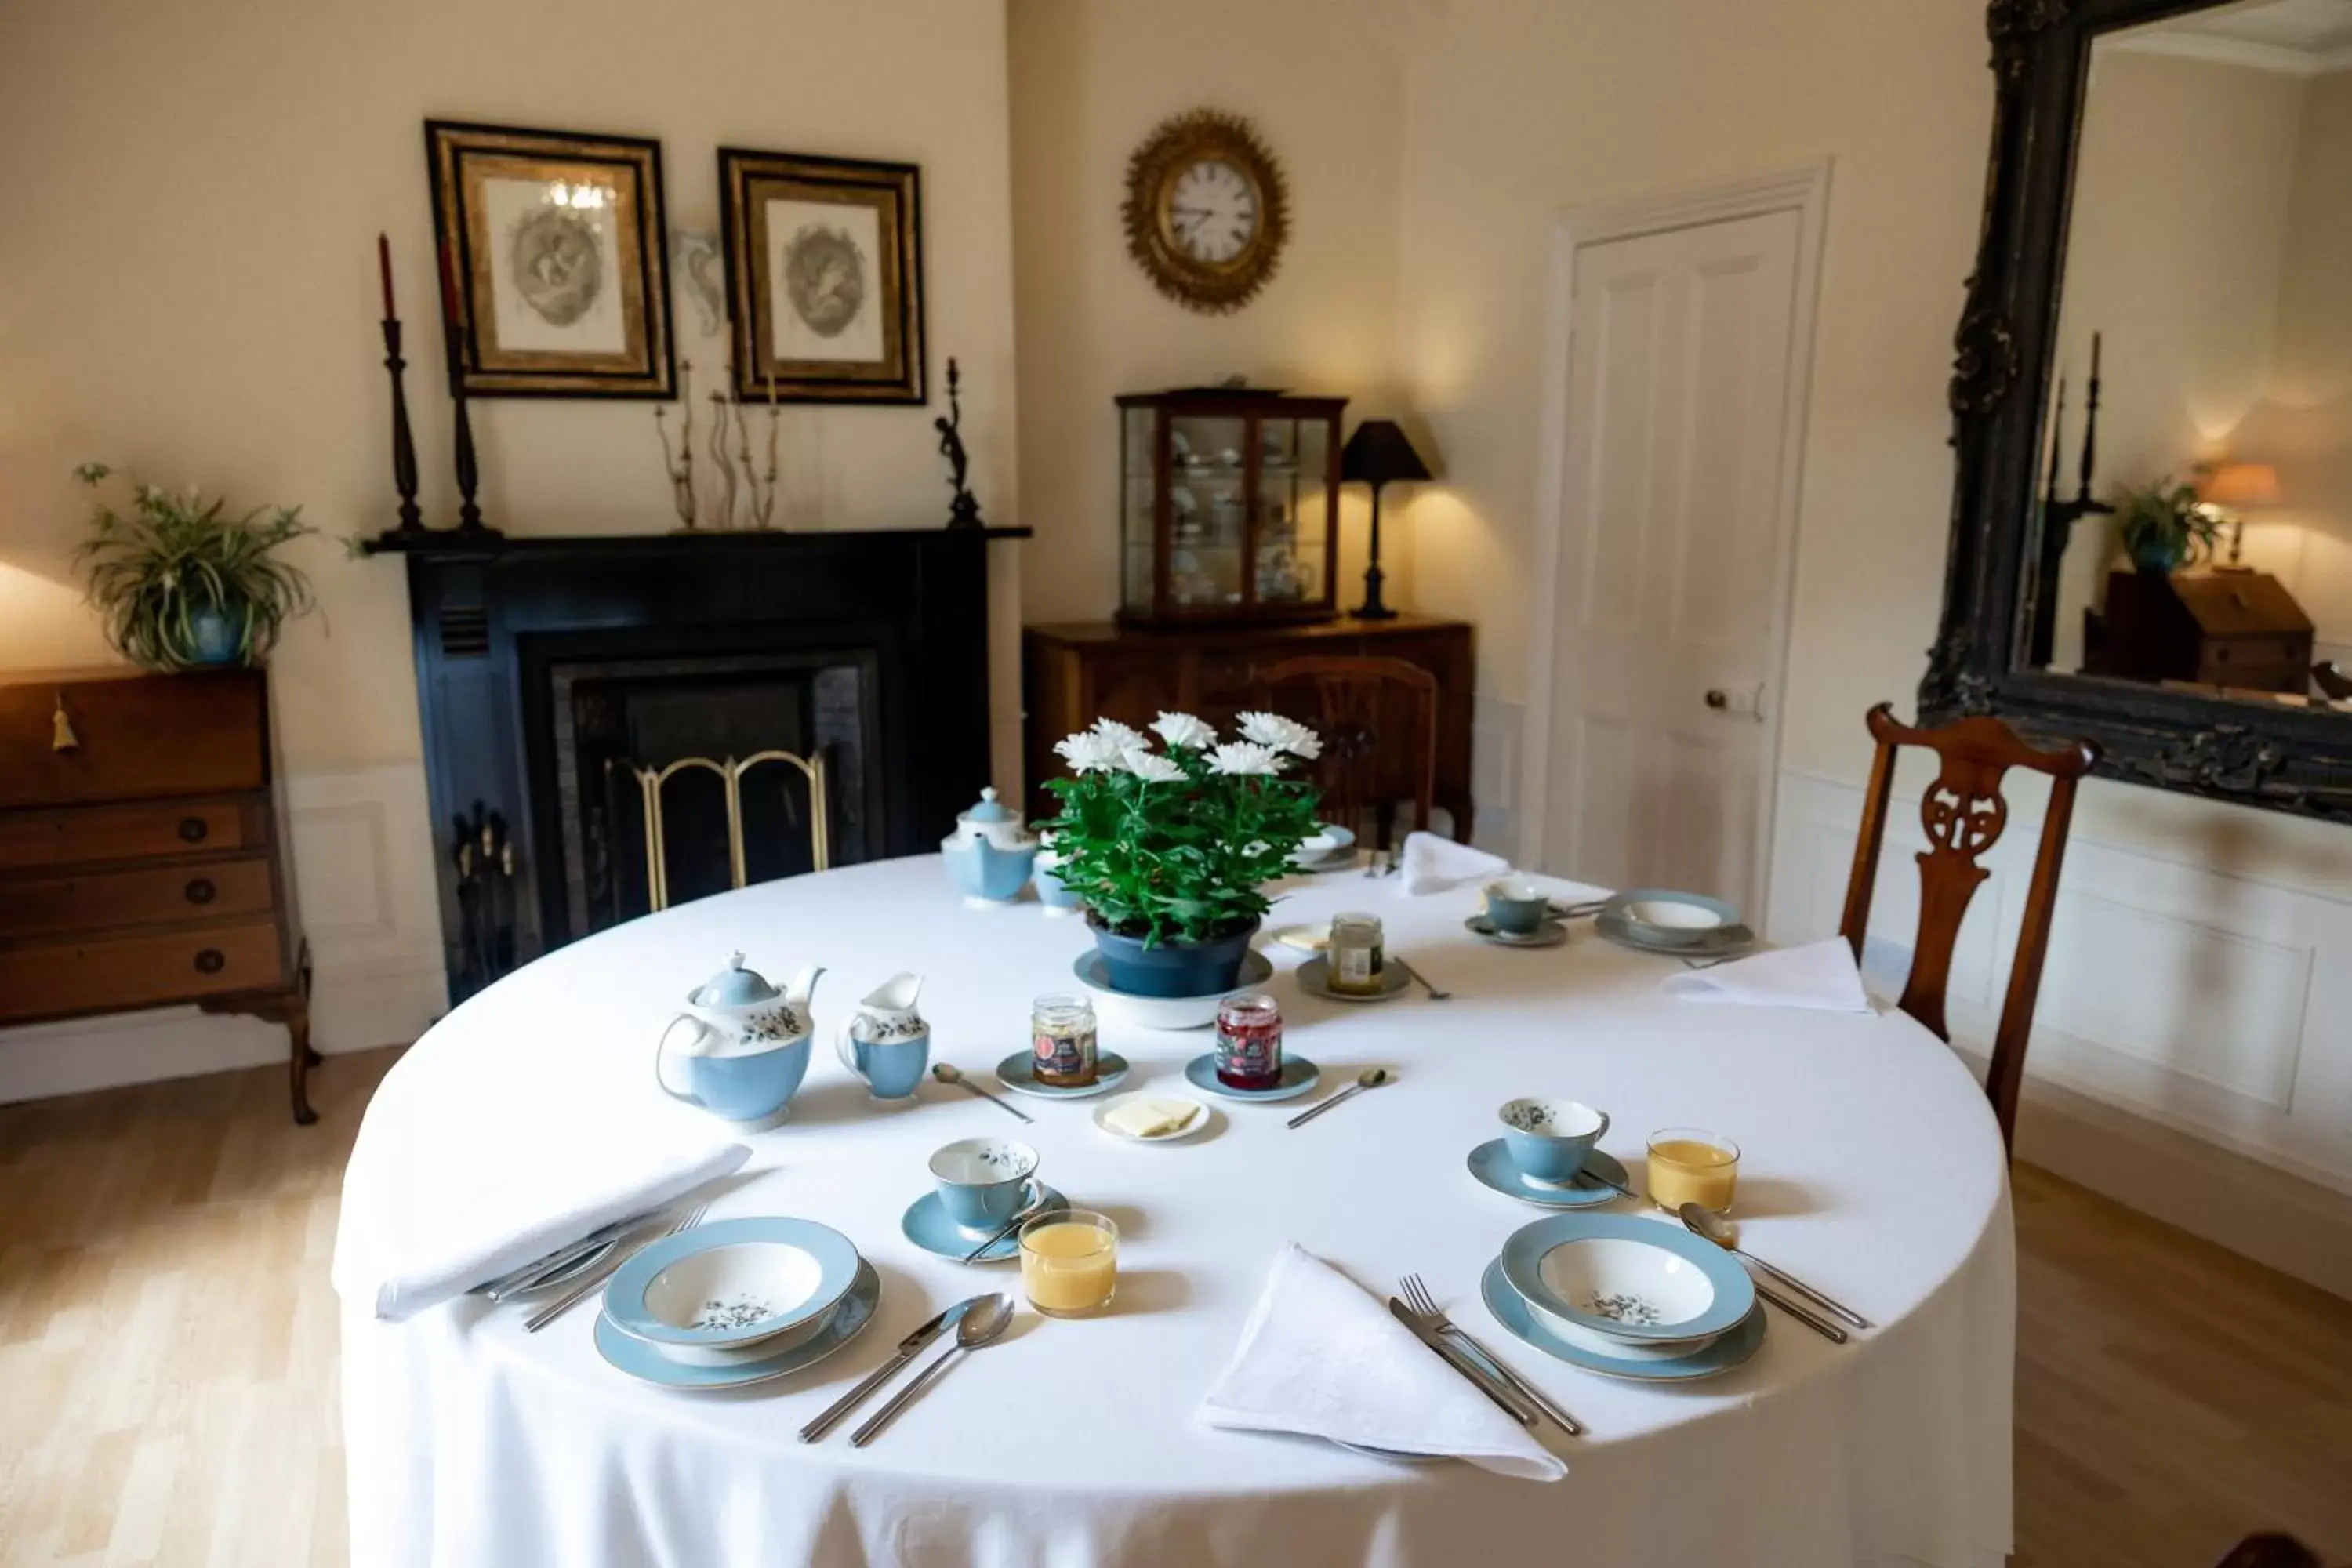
(1872, 1168)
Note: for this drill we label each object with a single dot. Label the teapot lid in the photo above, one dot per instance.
(990, 809)
(735, 986)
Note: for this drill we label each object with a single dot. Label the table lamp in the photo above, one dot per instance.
(2230, 486)
(1376, 454)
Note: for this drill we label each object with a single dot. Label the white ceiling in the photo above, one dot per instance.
(2300, 37)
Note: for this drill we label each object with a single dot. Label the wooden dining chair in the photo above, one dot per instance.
(1378, 717)
(2270, 1550)
(2333, 683)
(1964, 814)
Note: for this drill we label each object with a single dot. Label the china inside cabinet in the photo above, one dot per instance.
(1228, 506)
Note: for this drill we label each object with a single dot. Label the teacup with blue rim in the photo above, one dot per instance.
(985, 1182)
(1516, 906)
(1548, 1139)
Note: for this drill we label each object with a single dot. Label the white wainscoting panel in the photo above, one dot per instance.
(2214, 1004)
(362, 858)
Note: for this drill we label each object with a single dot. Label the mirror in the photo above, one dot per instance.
(2193, 496)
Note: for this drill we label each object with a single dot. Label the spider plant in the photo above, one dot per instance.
(181, 585)
(2162, 526)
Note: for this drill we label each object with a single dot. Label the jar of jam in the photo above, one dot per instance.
(1249, 1041)
(1355, 957)
(1061, 1040)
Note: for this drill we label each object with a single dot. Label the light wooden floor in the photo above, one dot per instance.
(167, 1351)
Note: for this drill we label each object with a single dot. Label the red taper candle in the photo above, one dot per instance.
(384, 266)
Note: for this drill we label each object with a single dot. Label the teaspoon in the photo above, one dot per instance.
(1371, 1077)
(982, 1322)
(945, 1073)
(1705, 1222)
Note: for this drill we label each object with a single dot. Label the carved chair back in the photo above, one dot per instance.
(1374, 715)
(1964, 814)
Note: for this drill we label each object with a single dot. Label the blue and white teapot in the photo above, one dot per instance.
(750, 1048)
(989, 853)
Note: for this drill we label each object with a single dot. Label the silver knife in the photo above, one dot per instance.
(515, 1282)
(1464, 1363)
(1812, 1320)
(909, 1349)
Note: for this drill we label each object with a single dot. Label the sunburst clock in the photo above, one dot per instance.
(1206, 211)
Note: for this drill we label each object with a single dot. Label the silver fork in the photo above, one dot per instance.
(1425, 1307)
(595, 1278)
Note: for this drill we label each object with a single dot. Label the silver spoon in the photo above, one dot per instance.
(945, 1073)
(1705, 1222)
(1413, 974)
(1029, 1210)
(1371, 1077)
(982, 1322)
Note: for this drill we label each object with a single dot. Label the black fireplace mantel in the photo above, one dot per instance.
(494, 615)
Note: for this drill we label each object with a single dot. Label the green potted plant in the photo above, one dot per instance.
(2162, 525)
(1170, 849)
(181, 585)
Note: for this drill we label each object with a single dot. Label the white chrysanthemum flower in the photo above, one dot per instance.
(1088, 753)
(1245, 759)
(1282, 734)
(1183, 729)
(1120, 737)
(1151, 767)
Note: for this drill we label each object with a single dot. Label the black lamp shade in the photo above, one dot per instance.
(1378, 452)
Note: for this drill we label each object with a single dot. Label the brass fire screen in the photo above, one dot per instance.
(731, 775)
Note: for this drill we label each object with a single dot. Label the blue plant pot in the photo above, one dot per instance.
(212, 639)
(1174, 968)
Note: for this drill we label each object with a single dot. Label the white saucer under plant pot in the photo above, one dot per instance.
(1165, 926)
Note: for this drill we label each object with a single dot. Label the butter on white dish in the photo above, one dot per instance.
(1148, 1118)
(1306, 939)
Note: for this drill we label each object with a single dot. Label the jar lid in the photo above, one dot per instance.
(735, 986)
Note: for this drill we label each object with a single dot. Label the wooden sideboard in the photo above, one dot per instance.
(1074, 673)
(141, 857)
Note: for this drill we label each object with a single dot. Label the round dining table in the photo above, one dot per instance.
(1872, 1169)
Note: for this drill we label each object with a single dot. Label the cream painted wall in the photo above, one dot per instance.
(189, 198)
(1323, 81)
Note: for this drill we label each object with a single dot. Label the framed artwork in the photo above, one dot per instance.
(554, 274)
(824, 277)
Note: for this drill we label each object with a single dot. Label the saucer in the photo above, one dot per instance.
(1551, 933)
(927, 1225)
(1298, 1077)
(1491, 1162)
(1718, 1355)
(1019, 1072)
(1315, 979)
(1164, 1012)
(640, 1360)
(1200, 1118)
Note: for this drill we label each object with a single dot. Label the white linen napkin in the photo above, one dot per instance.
(1321, 1357)
(493, 1229)
(1428, 864)
(1820, 975)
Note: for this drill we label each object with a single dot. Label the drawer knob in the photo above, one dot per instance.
(192, 829)
(210, 961)
(200, 890)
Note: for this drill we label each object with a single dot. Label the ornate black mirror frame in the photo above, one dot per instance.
(2282, 758)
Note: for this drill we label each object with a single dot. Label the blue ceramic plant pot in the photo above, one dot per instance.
(1173, 968)
(212, 639)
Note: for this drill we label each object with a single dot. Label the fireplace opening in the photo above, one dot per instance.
(670, 781)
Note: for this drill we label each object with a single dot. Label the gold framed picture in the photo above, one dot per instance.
(824, 277)
(553, 262)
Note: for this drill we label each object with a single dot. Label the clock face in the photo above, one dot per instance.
(1212, 211)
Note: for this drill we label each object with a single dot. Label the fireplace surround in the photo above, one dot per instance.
(549, 671)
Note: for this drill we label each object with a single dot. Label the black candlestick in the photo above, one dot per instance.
(403, 445)
(469, 515)
(963, 511)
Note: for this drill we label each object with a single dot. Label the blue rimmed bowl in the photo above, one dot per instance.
(1664, 918)
(708, 1295)
(1625, 1280)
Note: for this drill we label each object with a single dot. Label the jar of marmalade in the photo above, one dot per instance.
(1355, 956)
(1249, 1041)
(1061, 1040)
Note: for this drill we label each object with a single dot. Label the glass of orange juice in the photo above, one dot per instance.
(1687, 1165)
(1070, 1262)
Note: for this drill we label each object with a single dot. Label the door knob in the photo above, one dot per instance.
(1718, 699)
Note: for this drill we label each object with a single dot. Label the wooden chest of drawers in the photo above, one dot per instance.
(142, 859)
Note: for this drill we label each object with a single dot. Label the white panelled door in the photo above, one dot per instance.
(1663, 694)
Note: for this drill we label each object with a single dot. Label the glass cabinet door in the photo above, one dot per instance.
(1208, 486)
(1293, 518)
(1137, 516)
